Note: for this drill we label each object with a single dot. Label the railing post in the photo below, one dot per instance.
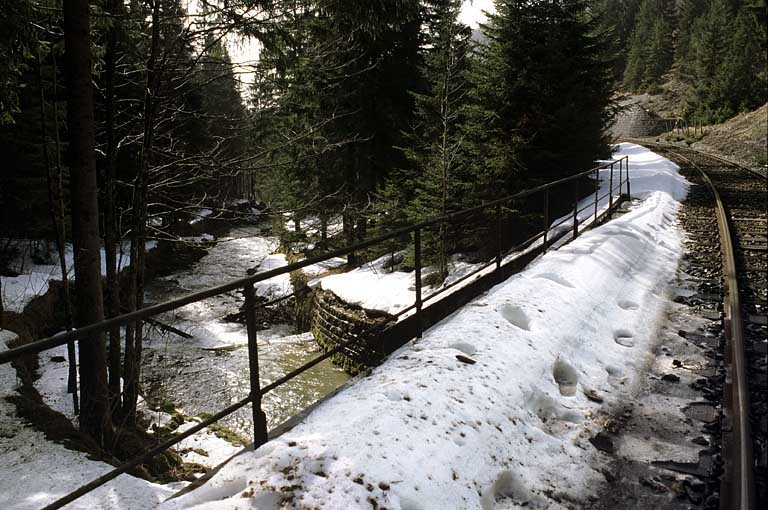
(546, 218)
(498, 236)
(597, 191)
(575, 208)
(259, 418)
(610, 192)
(417, 261)
(621, 176)
(629, 193)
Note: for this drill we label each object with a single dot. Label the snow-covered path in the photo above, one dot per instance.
(555, 348)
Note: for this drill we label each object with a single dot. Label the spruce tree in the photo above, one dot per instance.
(727, 63)
(545, 88)
(616, 22)
(650, 52)
(437, 148)
(371, 66)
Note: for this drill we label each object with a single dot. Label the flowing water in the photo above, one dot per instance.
(210, 371)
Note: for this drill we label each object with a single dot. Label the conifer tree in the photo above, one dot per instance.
(617, 22)
(545, 81)
(374, 68)
(650, 52)
(688, 12)
(437, 151)
(727, 61)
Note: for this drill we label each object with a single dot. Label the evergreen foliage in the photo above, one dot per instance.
(650, 54)
(436, 147)
(544, 86)
(382, 112)
(715, 48)
(727, 61)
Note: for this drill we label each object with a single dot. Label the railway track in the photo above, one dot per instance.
(727, 224)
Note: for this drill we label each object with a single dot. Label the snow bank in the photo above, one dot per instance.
(373, 287)
(18, 291)
(36, 471)
(315, 270)
(509, 425)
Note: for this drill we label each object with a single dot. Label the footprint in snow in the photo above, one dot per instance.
(515, 316)
(626, 304)
(556, 278)
(624, 338)
(566, 377)
(508, 491)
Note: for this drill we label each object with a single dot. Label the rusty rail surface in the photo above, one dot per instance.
(413, 325)
(737, 491)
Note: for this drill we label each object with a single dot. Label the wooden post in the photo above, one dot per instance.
(629, 193)
(546, 218)
(259, 418)
(417, 258)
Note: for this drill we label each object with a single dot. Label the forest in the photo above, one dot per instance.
(713, 50)
(119, 120)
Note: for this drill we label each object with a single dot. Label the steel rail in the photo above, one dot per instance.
(737, 490)
(671, 148)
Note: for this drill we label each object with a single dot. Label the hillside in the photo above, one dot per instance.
(743, 138)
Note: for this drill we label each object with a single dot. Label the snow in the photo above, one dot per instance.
(426, 430)
(33, 279)
(37, 471)
(311, 225)
(373, 287)
(315, 270)
(52, 387)
(277, 286)
(280, 286)
(52, 383)
(200, 215)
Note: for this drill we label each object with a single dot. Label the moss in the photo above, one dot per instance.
(339, 359)
(224, 433)
(303, 302)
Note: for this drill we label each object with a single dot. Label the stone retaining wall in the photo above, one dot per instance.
(636, 121)
(335, 322)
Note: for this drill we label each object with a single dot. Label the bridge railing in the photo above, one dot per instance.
(551, 233)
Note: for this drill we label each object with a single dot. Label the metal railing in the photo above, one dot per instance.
(548, 236)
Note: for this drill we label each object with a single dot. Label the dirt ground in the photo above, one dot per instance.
(743, 138)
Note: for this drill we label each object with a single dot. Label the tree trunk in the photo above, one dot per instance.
(133, 342)
(111, 236)
(95, 418)
(56, 209)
